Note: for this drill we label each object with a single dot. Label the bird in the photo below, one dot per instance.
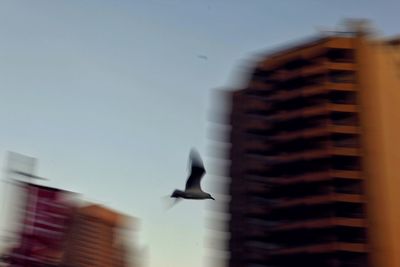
(193, 188)
(204, 57)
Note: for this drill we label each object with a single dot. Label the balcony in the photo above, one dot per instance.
(303, 155)
(346, 151)
(344, 118)
(312, 90)
(278, 75)
(345, 140)
(316, 109)
(343, 158)
(255, 124)
(256, 103)
(260, 179)
(286, 95)
(259, 88)
(343, 97)
(305, 92)
(345, 174)
(293, 74)
(256, 255)
(346, 162)
(341, 66)
(256, 168)
(304, 134)
(341, 86)
(306, 178)
(310, 177)
(314, 70)
(342, 76)
(348, 186)
(256, 232)
(259, 209)
(341, 43)
(257, 160)
(258, 188)
(342, 107)
(341, 55)
(322, 223)
(263, 76)
(314, 200)
(345, 129)
(323, 248)
(326, 66)
(255, 144)
(306, 112)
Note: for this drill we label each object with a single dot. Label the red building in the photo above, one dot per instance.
(46, 218)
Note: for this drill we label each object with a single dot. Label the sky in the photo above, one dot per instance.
(110, 96)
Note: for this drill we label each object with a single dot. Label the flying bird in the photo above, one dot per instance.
(193, 188)
(202, 57)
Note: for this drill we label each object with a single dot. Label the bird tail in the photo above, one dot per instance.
(176, 194)
(169, 203)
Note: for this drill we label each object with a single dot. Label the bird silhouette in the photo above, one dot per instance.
(193, 187)
(204, 57)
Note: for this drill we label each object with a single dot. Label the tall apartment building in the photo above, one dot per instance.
(315, 156)
(93, 240)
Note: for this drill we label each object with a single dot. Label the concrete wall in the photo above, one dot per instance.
(379, 87)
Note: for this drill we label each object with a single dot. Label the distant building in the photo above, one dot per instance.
(41, 230)
(94, 240)
(315, 156)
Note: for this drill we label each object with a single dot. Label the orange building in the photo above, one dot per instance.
(315, 156)
(94, 240)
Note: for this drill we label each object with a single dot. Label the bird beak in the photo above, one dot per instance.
(212, 198)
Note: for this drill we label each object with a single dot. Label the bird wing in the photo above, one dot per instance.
(196, 173)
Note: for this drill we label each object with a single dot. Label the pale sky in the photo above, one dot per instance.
(111, 95)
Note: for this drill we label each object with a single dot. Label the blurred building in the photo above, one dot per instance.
(50, 228)
(94, 239)
(315, 156)
(44, 221)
